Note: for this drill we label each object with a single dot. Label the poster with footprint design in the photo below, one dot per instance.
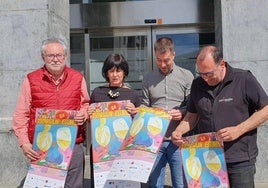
(54, 139)
(140, 146)
(109, 125)
(204, 161)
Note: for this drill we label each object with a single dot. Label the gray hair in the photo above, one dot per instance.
(53, 40)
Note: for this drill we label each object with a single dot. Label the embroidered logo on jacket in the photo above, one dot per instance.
(226, 100)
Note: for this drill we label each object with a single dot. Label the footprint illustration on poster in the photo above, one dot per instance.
(102, 133)
(193, 165)
(64, 138)
(120, 128)
(44, 139)
(137, 125)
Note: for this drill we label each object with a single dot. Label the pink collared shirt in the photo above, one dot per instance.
(22, 111)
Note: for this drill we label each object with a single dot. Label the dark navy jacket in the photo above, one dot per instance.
(237, 98)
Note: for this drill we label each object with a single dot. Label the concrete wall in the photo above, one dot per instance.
(244, 28)
(24, 24)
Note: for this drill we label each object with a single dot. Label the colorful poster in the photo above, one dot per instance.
(204, 161)
(54, 139)
(109, 125)
(139, 148)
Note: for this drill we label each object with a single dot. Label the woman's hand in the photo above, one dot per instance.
(131, 109)
(90, 110)
(80, 117)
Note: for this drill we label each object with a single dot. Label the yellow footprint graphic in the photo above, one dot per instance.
(212, 161)
(44, 139)
(120, 128)
(102, 133)
(64, 138)
(155, 125)
(193, 165)
(137, 125)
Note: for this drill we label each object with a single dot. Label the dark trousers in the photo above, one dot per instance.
(241, 177)
(75, 175)
(91, 168)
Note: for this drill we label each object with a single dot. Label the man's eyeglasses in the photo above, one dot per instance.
(206, 74)
(58, 56)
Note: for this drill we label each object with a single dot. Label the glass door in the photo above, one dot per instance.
(134, 45)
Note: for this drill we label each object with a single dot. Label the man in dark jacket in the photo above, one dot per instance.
(232, 103)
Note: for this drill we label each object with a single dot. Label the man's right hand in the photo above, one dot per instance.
(29, 152)
(176, 138)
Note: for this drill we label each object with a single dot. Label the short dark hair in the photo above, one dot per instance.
(117, 61)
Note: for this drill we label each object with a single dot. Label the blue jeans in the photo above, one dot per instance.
(168, 153)
(241, 177)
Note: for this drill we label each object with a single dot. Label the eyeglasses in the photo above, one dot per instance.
(207, 74)
(52, 56)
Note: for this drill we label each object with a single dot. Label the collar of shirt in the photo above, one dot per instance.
(171, 70)
(56, 81)
(167, 73)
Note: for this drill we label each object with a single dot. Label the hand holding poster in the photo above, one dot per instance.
(204, 162)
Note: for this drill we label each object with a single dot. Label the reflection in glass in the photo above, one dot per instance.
(133, 48)
(77, 49)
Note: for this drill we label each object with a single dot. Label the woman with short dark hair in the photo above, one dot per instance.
(114, 61)
(115, 69)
